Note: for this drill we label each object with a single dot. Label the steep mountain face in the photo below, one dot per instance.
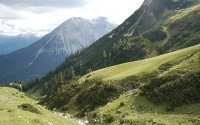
(78, 33)
(10, 44)
(51, 50)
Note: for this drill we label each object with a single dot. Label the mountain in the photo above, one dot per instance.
(143, 71)
(10, 44)
(146, 33)
(44, 55)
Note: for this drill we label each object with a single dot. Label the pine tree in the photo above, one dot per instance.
(79, 69)
(104, 54)
(71, 73)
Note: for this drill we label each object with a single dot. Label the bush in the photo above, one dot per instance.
(156, 34)
(174, 89)
(108, 118)
(98, 94)
(29, 107)
(169, 109)
(165, 67)
(59, 98)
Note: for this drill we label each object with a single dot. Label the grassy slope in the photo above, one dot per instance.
(12, 115)
(122, 71)
(138, 109)
(181, 14)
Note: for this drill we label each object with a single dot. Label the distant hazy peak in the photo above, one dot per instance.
(100, 19)
(77, 22)
(80, 19)
(28, 35)
(75, 19)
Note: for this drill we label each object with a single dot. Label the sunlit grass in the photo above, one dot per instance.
(119, 72)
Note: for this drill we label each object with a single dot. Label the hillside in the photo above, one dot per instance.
(11, 114)
(175, 60)
(141, 84)
(51, 50)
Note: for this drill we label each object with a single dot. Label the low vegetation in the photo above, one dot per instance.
(174, 89)
(29, 107)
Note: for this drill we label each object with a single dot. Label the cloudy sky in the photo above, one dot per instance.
(42, 16)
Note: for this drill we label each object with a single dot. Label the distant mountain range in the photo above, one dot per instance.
(51, 50)
(10, 44)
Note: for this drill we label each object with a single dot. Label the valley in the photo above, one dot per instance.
(146, 71)
(127, 106)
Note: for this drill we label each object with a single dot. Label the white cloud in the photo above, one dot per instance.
(41, 20)
(40, 3)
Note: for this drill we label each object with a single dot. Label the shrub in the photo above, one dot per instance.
(96, 95)
(174, 89)
(108, 118)
(156, 34)
(169, 109)
(29, 107)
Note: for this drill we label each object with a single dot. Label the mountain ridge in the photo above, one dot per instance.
(10, 44)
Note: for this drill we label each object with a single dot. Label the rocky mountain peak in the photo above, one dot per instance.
(169, 4)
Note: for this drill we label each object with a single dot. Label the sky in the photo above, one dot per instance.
(42, 16)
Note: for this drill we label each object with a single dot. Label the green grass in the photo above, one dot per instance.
(150, 65)
(34, 93)
(181, 13)
(190, 64)
(10, 114)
